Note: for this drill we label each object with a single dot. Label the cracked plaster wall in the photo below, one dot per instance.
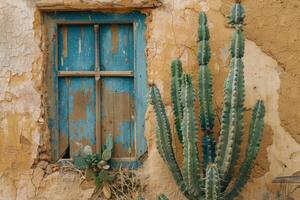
(271, 73)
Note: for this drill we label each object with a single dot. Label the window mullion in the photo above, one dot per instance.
(98, 97)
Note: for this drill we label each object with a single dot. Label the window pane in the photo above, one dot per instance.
(76, 47)
(116, 47)
(117, 115)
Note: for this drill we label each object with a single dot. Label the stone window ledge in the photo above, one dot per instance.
(96, 4)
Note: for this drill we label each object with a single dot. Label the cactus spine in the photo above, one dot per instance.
(218, 163)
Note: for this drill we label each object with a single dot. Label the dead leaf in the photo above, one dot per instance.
(106, 191)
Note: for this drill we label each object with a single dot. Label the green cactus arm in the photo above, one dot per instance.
(203, 52)
(233, 112)
(175, 96)
(239, 131)
(212, 183)
(207, 115)
(232, 125)
(202, 18)
(237, 15)
(162, 197)
(203, 37)
(208, 148)
(164, 138)
(163, 131)
(203, 32)
(206, 112)
(254, 141)
(238, 44)
(191, 163)
(232, 119)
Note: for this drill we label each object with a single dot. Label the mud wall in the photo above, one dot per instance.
(271, 72)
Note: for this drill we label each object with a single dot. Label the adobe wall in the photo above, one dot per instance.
(272, 71)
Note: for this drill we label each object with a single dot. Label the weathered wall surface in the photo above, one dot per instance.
(271, 72)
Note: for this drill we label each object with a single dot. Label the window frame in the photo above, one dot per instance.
(52, 21)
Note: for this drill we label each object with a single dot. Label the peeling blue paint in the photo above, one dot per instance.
(119, 85)
(80, 56)
(125, 137)
(122, 59)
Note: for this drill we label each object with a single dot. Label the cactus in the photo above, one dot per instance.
(209, 178)
(254, 140)
(164, 137)
(206, 111)
(191, 167)
(233, 112)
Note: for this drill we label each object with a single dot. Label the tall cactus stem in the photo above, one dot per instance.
(254, 141)
(163, 136)
(191, 163)
(206, 111)
(234, 94)
(175, 96)
(232, 118)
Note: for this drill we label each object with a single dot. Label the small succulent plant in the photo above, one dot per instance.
(97, 165)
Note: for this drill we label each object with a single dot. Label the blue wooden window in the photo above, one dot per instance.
(96, 79)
